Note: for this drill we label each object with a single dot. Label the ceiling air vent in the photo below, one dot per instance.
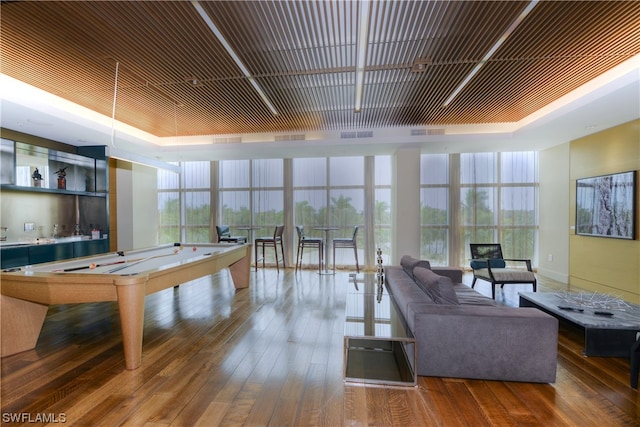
(227, 140)
(423, 132)
(348, 135)
(358, 134)
(299, 137)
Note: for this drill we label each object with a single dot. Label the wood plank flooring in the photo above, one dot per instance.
(272, 355)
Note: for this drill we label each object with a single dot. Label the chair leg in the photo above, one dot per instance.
(256, 255)
(355, 252)
(334, 258)
(320, 248)
(284, 263)
(298, 255)
(493, 290)
(275, 249)
(474, 282)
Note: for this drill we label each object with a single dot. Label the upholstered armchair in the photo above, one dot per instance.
(224, 235)
(488, 264)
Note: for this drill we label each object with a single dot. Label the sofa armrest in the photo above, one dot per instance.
(498, 343)
(455, 274)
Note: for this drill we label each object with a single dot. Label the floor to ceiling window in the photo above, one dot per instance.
(251, 194)
(478, 198)
(382, 206)
(435, 214)
(196, 207)
(267, 200)
(310, 198)
(330, 192)
(184, 203)
(465, 198)
(234, 194)
(169, 207)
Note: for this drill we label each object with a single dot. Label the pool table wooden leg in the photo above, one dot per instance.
(241, 270)
(131, 307)
(21, 324)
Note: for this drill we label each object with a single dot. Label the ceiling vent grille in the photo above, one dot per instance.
(299, 137)
(227, 140)
(423, 132)
(348, 135)
(356, 134)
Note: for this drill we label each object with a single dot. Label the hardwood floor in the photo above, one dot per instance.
(273, 355)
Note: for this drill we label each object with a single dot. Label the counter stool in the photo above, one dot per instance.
(271, 242)
(347, 243)
(308, 242)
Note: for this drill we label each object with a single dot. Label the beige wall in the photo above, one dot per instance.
(600, 264)
(553, 202)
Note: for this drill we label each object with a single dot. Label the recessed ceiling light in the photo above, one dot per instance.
(420, 65)
(194, 81)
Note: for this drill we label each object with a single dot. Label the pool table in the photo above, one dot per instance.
(125, 277)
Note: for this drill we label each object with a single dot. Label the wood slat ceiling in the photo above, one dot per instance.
(303, 54)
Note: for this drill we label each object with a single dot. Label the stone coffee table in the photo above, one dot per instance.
(610, 334)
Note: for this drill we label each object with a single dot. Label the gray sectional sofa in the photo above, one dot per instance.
(462, 334)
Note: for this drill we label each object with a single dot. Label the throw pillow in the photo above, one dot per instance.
(494, 263)
(408, 263)
(438, 288)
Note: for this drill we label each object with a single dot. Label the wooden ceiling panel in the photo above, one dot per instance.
(303, 55)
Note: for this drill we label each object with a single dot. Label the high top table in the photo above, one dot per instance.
(327, 243)
(249, 229)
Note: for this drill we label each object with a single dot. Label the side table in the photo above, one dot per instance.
(379, 347)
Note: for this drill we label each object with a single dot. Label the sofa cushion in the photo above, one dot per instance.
(468, 296)
(408, 263)
(439, 288)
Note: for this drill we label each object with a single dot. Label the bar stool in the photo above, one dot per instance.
(347, 243)
(271, 242)
(224, 235)
(308, 242)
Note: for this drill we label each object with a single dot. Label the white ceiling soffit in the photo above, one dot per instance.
(607, 101)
